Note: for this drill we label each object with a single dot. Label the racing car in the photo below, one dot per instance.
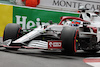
(68, 36)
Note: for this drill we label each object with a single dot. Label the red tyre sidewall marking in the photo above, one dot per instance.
(75, 41)
(19, 32)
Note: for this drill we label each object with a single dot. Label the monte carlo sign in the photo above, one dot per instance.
(72, 4)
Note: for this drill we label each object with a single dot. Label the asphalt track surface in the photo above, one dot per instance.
(42, 58)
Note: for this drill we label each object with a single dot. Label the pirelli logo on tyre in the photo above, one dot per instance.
(52, 44)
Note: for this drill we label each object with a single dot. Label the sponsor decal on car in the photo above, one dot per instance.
(54, 44)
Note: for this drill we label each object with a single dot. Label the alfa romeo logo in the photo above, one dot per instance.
(50, 44)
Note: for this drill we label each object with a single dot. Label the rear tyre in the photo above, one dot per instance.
(12, 31)
(69, 37)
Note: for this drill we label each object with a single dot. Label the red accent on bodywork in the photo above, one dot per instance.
(94, 29)
(12, 46)
(31, 47)
(26, 47)
(68, 17)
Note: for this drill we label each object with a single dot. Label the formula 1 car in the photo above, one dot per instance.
(65, 36)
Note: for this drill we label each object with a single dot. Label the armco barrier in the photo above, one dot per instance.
(27, 17)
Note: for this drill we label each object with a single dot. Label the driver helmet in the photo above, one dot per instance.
(96, 12)
(75, 23)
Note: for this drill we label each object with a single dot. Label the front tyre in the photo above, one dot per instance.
(12, 31)
(69, 37)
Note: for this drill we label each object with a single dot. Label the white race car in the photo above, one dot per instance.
(68, 36)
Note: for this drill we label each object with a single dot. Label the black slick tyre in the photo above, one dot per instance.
(69, 36)
(11, 31)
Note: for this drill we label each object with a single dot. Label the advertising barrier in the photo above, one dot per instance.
(62, 5)
(27, 17)
(71, 5)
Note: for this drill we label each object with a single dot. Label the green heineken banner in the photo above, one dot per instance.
(28, 17)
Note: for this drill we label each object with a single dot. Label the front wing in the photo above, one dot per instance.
(34, 44)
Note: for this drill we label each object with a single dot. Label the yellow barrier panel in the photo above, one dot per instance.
(6, 16)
